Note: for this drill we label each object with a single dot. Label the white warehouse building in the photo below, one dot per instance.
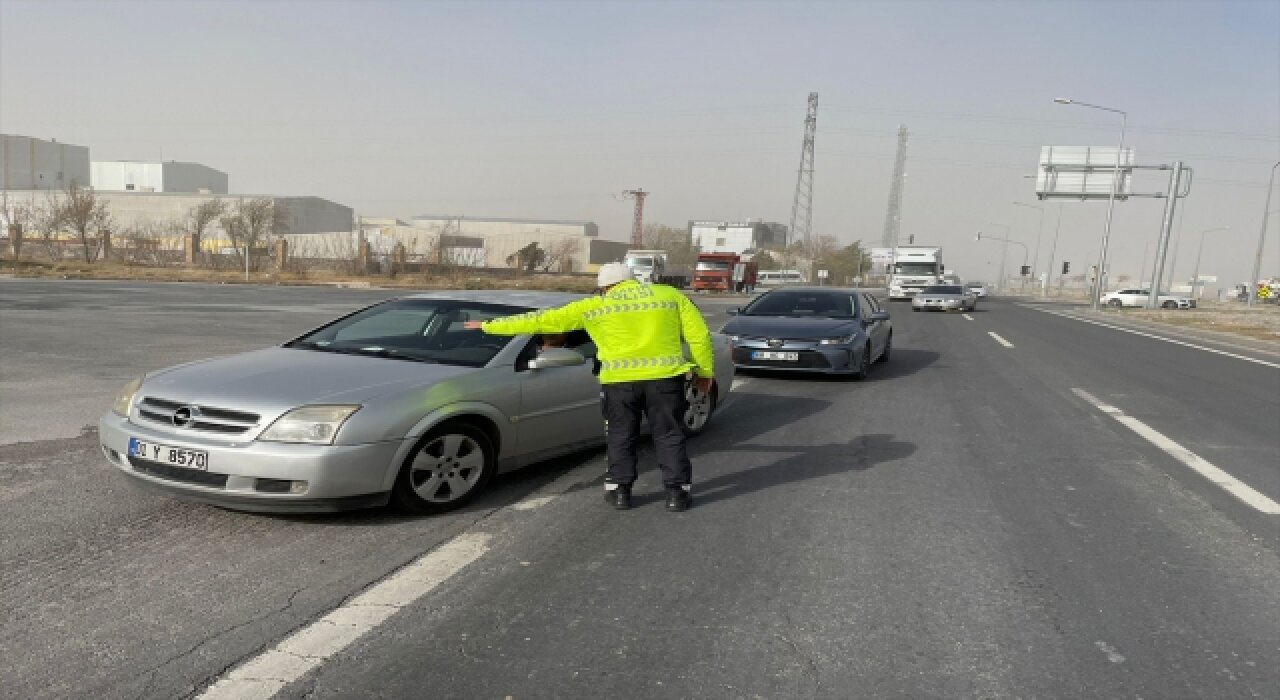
(490, 226)
(28, 163)
(736, 236)
(156, 176)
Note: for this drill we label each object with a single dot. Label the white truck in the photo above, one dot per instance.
(651, 266)
(914, 268)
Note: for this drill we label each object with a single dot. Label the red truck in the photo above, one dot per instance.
(724, 272)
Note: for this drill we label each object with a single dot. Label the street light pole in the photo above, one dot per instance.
(1262, 239)
(1095, 303)
(1195, 276)
(1035, 259)
(1053, 249)
(1004, 252)
(1005, 247)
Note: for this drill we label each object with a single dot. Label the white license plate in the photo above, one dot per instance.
(164, 454)
(783, 356)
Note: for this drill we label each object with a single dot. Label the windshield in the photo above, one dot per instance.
(917, 268)
(711, 265)
(795, 303)
(942, 289)
(421, 330)
(640, 262)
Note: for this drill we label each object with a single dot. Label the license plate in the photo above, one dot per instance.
(783, 356)
(164, 454)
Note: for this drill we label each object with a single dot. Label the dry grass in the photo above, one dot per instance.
(1261, 323)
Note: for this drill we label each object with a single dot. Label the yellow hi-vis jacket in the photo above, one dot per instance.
(637, 329)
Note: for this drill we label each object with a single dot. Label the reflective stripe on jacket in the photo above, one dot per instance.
(638, 330)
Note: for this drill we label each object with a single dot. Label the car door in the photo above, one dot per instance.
(559, 406)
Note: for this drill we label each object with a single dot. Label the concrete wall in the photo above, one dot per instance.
(494, 227)
(35, 164)
(155, 176)
(301, 214)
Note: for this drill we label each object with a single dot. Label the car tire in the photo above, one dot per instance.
(864, 367)
(450, 464)
(888, 347)
(699, 411)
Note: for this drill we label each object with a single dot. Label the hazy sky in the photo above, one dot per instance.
(548, 110)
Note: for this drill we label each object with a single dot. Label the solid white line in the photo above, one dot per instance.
(1158, 337)
(1228, 483)
(306, 649)
(967, 317)
(1000, 340)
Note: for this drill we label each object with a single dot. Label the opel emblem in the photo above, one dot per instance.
(775, 343)
(186, 416)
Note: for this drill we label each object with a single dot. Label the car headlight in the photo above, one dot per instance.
(315, 425)
(837, 341)
(125, 398)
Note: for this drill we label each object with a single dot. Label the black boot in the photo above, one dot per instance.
(619, 498)
(678, 500)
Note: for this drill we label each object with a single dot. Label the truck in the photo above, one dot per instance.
(724, 272)
(654, 267)
(914, 268)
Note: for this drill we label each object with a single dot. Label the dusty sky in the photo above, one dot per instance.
(548, 110)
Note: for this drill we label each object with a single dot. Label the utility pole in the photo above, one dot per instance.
(802, 204)
(637, 220)
(893, 214)
(1262, 239)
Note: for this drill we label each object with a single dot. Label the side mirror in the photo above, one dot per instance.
(733, 312)
(879, 316)
(557, 357)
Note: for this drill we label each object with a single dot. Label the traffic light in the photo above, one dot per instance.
(1026, 270)
(1066, 267)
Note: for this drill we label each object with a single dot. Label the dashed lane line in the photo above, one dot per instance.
(1158, 337)
(967, 317)
(1000, 340)
(1225, 481)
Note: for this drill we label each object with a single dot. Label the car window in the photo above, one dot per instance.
(801, 303)
(942, 289)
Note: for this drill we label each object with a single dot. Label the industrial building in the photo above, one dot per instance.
(737, 237)
(35, 164)
(156, 176)
(487, 226)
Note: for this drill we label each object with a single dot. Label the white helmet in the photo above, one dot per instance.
(613, 273)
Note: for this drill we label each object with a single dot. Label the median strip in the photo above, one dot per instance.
(1228, 483)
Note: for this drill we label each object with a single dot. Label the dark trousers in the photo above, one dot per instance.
(663, 403)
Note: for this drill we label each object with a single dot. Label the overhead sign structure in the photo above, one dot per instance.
(1083, 172)
(882, 255)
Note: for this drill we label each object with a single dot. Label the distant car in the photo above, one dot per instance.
(977, 289)
(398, 402)
(813, 329)
(944, 297)
(1138, 297)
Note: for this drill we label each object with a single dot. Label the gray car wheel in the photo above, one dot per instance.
(700, 409)
(451, 464)
(864, 367)
(888, 346)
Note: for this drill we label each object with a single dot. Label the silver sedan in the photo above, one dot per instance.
(944, 297)
(397, 402)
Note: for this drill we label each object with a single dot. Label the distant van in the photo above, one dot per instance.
(778, 278)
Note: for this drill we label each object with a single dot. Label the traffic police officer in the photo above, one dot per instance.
(639, 331)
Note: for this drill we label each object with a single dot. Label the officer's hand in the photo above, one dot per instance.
(473, 325)
(702, 384)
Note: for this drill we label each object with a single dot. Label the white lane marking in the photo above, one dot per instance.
(967, 317)
(1228, 483)
(1159, 337)
(1000, 340)
(306, 649)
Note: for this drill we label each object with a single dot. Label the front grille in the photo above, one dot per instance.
(808, 360)
(211, 418)
(172, 473)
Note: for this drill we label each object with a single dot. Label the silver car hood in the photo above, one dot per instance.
(273, 380)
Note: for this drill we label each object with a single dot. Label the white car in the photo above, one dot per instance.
(977, 289)
(1138, 297)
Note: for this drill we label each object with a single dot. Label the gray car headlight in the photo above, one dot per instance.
(837, 341)
(314, 425)
(125, 398)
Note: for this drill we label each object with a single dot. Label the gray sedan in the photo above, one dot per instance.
(823, 329)
(944, 297)
(397, 403)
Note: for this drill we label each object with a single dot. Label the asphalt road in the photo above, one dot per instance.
(965, 523)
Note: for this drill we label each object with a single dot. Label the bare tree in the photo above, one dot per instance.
(89, 218)
(252, 223)
(46, 220)
(201, 215)
(559, 256)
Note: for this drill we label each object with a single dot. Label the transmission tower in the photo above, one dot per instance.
(637, 222)
(893, 217)
(802, 205)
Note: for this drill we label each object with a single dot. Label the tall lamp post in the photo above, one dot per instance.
(1035, 259)
(1003, 253)
(1195, 276)
(1262, 238)
(1095, 302)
